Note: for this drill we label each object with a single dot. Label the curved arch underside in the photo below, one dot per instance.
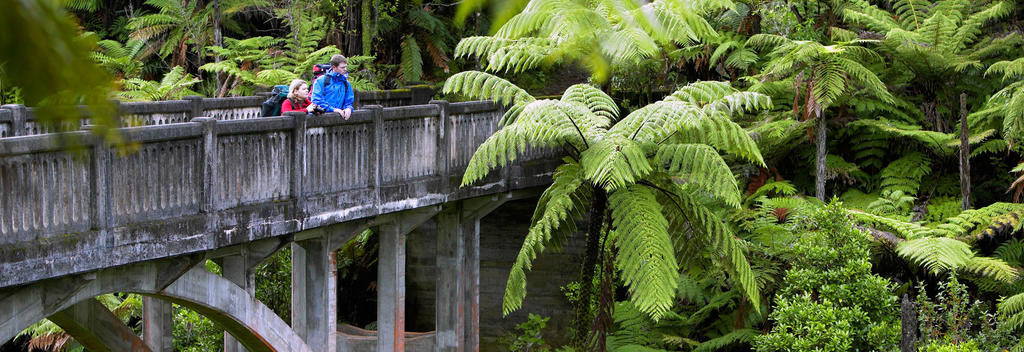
(247, 319)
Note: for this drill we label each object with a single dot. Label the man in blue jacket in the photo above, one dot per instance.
(332, 91)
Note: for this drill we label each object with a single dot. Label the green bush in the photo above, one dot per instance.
(951, 321)
(829, 300)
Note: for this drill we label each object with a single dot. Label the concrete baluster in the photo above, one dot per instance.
(196, 103)
(375, 148)
(446, 130)
(18, 114)
(298, 160)
(210, 164)
(100, 205)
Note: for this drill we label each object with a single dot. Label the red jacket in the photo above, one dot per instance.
(286, 106)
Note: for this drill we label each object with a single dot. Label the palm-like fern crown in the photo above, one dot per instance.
(125, 60)
(174, 85)
(831, 70)
(592, 32)
(1007, 103)
(656, 164)
(933, 33)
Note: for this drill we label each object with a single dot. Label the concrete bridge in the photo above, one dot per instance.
(142, 217)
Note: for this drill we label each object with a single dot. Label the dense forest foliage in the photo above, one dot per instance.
(795, 175)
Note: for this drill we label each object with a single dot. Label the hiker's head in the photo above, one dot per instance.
(339, 64)
(298, 90)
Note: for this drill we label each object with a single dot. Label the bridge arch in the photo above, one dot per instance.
(253, 324)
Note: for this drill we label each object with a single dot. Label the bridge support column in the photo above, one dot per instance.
(455, 280)
(157, 324)
(314, 293)
(391, 231)
(457, 317)
(391, 289)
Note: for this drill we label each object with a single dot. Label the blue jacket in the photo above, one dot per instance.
(337, 95)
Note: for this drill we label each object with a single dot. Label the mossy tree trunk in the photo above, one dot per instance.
(820, 138)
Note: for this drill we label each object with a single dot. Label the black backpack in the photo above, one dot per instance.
(272, 106)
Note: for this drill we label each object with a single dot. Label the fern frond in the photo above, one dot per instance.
(483, 85)
(905, 174)
(646, 258)
(937, 254)
(702, 92)
(701, 165)
(994, 268)
(564, 198)
(724, 341)
(719, 238)
(542, 124)
(412, 61)
(908, 230)
(592, 97)
(614, 162)
(1011, 311)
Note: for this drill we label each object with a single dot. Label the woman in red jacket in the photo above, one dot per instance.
(298, 98)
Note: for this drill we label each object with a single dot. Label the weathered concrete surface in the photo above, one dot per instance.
(353, 339)
(205, 185)
(501, 236)
(96, 328)
(157, 324)
(252, 323)
(392, 233)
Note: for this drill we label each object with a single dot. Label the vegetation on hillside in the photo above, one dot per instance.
(701, 140)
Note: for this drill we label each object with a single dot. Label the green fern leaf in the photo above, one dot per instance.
(646, 257)
(565, 197)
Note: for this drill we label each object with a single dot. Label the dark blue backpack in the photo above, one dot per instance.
(272, 106)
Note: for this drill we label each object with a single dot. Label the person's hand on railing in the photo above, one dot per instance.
(344, 113)
(311, 108)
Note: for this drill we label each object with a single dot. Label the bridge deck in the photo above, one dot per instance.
(206, 184)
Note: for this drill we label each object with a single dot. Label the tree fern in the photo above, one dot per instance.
(650, 179)
(412, 62)
(174, 85)
(905, 174)
(591, 33)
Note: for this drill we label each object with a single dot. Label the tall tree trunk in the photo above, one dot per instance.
(218, 38)
(351, 30)
(908, 322)
(368, 28)
(819, 175)
(598, 204)
(965, 156)
(606, 302)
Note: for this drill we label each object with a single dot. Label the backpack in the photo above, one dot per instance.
(320, 69)
(272, 106)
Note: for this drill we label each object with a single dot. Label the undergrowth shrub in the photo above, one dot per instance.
(829, 300)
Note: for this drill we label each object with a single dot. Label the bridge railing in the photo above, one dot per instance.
(378, 159)
(18, 120)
